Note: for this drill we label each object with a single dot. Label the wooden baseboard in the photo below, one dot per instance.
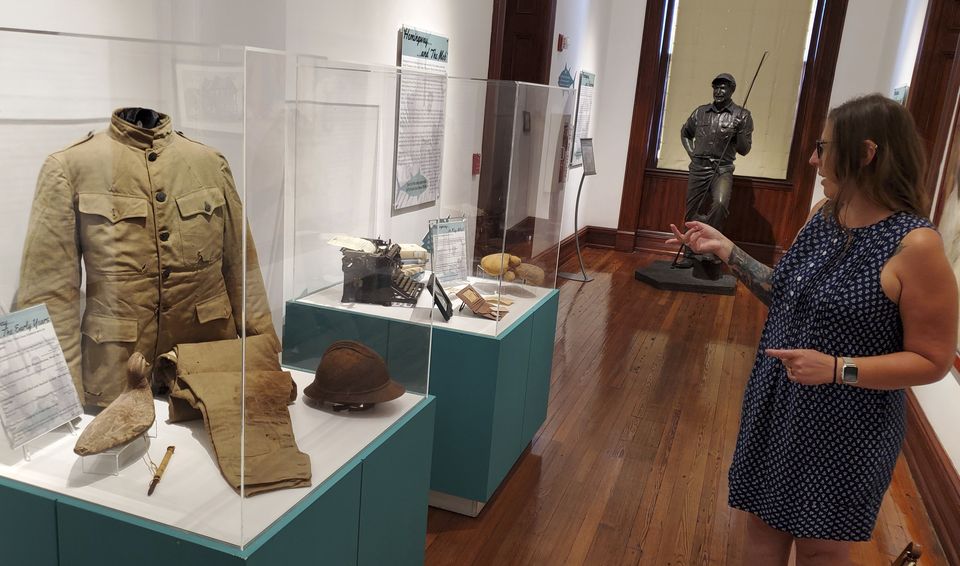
(650, 241)
(592, 236)
(653, 241)
(937, 480)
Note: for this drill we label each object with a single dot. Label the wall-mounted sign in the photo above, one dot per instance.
(420, 117)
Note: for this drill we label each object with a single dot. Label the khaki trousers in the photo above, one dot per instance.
(206, 382)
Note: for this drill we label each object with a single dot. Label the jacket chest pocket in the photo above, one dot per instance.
(112, 231)
(201, 226)
(706, 131)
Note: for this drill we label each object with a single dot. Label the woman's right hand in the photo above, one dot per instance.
(702, 239)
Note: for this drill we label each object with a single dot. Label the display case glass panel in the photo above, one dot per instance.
(513, 207)
(493, 155)
(144, 212)
(123, 174)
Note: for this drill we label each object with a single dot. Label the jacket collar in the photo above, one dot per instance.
(731, 107)
(140, 138)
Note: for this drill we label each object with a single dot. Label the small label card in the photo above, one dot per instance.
(449, 248)
(36, 391)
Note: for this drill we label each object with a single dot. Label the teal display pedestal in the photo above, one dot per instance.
(370, 512)
(491, 390)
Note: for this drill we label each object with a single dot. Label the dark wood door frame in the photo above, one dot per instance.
(497, 38)
(933, 91)
(934, 473)
(653, 197)
(930, 99)
(943, 140)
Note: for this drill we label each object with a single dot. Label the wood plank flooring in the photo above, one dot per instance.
(630, 466)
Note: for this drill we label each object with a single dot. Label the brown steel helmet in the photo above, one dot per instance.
(351, 373)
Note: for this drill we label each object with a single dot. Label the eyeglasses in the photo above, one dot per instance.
(820, 144)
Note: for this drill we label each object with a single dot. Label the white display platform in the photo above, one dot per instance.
(524, 298)
(193, 495)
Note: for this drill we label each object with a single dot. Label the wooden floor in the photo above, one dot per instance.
(630, 466)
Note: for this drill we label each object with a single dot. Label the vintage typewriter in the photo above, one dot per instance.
(376, 277)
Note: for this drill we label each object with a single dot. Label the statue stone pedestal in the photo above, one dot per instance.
(698, 279)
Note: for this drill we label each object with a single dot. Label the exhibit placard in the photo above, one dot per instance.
(36, 390)
(420, 118)
(584, 114)
(449, 249)
(589, 164)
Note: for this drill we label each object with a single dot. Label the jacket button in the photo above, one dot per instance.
(206, 207)
(164, 236)
(161, 196)
(166, 272)
(152, 156)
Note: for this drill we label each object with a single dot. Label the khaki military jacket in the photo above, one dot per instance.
(157, 223)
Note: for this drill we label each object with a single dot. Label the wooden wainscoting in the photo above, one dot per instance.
(653, 241)
(761, 220)
(592, 236)
(766, 212)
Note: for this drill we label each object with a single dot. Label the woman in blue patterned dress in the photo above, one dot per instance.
(862, 305)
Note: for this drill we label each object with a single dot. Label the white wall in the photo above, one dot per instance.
(877, 51)
(914, 13)
(605, 38)
(586, 23)
(95, 17)
(366, 30)
(940, 401)
(233, 22)
(613, 106)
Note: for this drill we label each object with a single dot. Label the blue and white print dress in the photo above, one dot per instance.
(815, 461)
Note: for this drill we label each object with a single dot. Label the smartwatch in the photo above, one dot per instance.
(848, 374)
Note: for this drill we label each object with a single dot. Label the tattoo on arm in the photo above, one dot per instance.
(756, 276)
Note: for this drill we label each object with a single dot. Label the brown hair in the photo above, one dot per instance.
(892, 179)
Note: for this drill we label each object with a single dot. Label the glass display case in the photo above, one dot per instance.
(125, 179)
(513, 207)
(425, 218)
(465, 176)
(142, 299)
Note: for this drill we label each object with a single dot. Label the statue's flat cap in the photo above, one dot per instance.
(725, 77)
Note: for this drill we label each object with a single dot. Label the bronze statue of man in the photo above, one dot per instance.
(713, 135)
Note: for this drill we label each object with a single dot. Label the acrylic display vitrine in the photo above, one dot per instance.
(469, 173)
(144, 214)
(466, 177)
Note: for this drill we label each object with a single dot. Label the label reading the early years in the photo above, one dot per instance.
(36, 391)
